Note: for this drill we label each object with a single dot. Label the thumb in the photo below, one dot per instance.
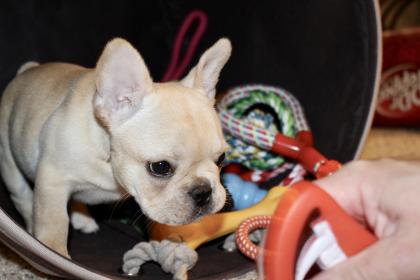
(376, 262)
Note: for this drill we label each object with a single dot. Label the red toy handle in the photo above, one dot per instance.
(302, 150)
(294, 212)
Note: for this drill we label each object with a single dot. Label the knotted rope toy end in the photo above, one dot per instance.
(176, 258)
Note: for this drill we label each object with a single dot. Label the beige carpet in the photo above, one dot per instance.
(394, 143)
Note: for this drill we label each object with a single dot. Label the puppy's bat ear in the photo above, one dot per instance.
(206, 73)
(122, 81)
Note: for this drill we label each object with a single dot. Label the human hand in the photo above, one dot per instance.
(385, 196)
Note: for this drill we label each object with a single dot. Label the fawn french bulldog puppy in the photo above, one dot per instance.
(96, 135)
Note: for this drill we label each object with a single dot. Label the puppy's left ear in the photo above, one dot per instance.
(206, 73)
(122, 81)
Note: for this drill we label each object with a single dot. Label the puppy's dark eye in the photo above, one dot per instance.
(221, 160)
(160, 169)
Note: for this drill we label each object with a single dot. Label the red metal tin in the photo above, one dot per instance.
(399, 93)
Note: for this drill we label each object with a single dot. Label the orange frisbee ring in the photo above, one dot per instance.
(336, 235)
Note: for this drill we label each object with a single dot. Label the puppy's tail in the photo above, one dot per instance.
(26, 66)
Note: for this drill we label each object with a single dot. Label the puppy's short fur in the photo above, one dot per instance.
(96, 135)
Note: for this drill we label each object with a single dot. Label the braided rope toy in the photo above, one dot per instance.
(247, 109)
(251, 134)
(250, 130)
(174, 257)
(299, 148)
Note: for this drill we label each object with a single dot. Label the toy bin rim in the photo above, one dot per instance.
(52, 263)
(377, 81)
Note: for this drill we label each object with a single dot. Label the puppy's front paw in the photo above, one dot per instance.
(85, 224)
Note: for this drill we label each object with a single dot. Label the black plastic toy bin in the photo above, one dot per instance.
(327, 53)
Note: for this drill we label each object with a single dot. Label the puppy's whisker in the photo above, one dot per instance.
(119, 203)
(137, 215)
(138, 218)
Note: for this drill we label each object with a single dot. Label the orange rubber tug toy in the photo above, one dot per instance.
(304, 208)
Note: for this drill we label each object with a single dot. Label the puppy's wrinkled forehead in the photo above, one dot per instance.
(176, 120)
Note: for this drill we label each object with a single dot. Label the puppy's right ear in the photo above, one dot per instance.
(122, 81)
(206, 73)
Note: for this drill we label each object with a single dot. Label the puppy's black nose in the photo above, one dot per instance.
(201, 193)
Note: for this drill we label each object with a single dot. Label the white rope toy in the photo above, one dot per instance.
(174, 257)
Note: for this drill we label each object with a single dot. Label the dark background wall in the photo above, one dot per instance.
(324, 53)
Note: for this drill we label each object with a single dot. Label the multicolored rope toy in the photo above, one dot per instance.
(262, 108)
(254, 135)
(281, 119)
(298, 146)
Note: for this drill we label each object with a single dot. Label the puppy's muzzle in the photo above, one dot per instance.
(201, 193)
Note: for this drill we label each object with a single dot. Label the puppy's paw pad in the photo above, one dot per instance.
(83, 223)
